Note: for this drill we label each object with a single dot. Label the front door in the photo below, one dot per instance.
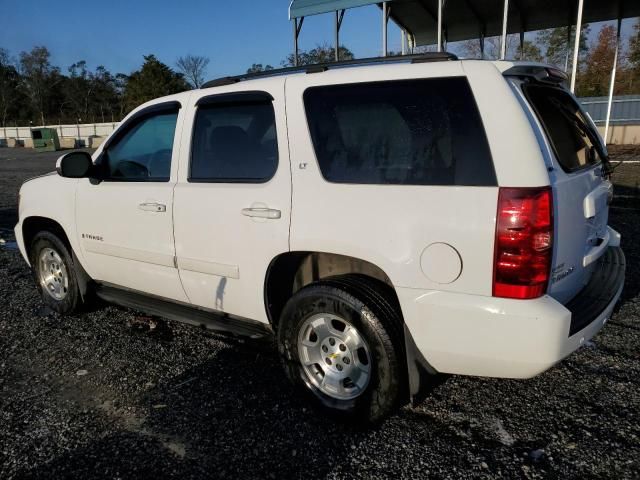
(124, 221)
(232, 202)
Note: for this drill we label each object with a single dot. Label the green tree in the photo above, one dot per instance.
(554, 47)
(154, 79)
(529, 51)
(258, 67)
(106, 95)
(595, 78)
(323, 53)
(38, 79)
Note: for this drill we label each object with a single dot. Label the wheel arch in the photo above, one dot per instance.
(290, 271)
(286, 275)
(32, 225)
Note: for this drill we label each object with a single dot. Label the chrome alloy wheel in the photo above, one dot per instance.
(334, 356)
(53, 274)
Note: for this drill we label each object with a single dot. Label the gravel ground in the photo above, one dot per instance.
(102, 395)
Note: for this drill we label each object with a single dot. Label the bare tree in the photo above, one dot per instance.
(193, 67)
(38, 78)
(79, 87)
(471, 48)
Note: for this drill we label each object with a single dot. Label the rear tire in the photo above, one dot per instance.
(54, 273)
(340, 340)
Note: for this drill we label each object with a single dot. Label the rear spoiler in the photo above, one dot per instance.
(540, 73)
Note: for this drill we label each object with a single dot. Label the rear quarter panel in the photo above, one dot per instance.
(516, 152)
(387, 225)
(391, 225)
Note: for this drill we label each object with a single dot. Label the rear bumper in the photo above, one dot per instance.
(498, 337)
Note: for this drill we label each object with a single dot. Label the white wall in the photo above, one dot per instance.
(82, 131)
(622, 134)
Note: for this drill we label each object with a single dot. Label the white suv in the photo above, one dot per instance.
(387, 221)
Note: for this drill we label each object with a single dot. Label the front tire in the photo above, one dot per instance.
(54, 273)
(340, 341)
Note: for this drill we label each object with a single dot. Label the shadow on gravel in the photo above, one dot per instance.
(233, 413)
(227, 417)
(8, 218)
(625, 221)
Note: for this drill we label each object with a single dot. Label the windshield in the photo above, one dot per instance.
(575, 141)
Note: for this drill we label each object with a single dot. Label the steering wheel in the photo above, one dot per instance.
(130, 169)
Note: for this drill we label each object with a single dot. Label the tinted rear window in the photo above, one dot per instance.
(409, 132)
(574, 140)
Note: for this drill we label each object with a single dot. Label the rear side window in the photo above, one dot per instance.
(409, 132)
(234, 143)
(575, 142)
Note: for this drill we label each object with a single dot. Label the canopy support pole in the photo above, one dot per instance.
(403, 42)
(612, 82)
(296, 33)
(481, 40)
(440, 25)
(522, 45)
(576, 46)
(338, 24)
(503, 44)
(385, 18)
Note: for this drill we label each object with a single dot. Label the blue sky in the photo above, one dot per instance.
(233, 34)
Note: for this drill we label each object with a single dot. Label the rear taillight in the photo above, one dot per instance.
(524, 240)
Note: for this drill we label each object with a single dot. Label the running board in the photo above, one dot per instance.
(182, 312)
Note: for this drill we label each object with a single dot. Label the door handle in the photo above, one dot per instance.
(152, 207)
(261, 213)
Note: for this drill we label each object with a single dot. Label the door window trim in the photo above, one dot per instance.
(125, 128)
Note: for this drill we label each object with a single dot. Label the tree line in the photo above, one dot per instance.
(595, 59)
(34, 90)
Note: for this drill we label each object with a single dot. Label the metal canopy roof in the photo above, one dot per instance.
(465, 19)
(428, 22)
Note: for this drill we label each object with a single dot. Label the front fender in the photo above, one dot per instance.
(51, 197)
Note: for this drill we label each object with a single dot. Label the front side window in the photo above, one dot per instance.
(408, 132)
(234, 143)
(143, 152)
(573, 138)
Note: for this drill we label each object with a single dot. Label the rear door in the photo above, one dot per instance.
(576, 157)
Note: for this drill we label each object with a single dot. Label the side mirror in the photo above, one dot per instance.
(74, 165)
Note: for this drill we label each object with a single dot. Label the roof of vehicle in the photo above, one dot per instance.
(503, 66)
(321, 67)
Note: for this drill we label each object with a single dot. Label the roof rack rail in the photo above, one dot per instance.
(321, 67)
